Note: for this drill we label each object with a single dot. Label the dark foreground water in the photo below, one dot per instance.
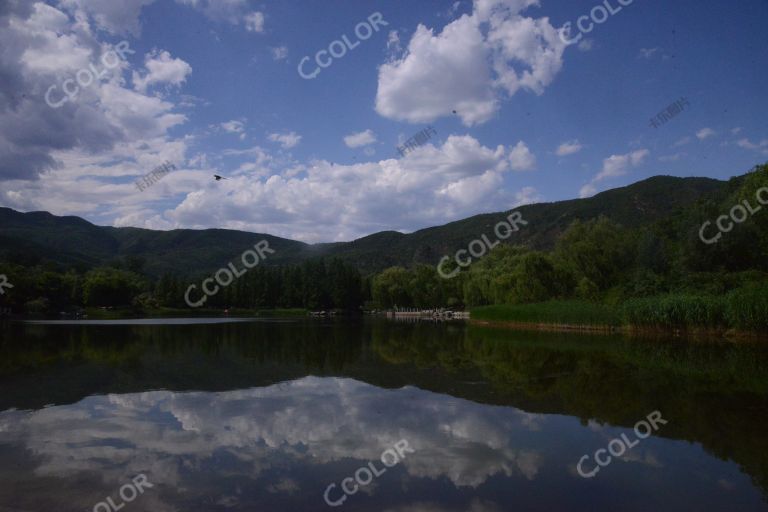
(275, 415)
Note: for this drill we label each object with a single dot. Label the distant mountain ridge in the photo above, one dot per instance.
(72, 241)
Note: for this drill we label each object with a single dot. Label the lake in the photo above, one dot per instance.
(374, 415)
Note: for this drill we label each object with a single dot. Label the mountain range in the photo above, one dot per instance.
(36, 237)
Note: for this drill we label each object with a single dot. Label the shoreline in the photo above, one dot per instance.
(625, 330)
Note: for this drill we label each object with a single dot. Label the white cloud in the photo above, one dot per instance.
(357, 140)
(587, 190)
(161, 69)
(470, 65)
(116, 17)
(569, 148)
(647, 53)
(682, 142)
(393, 41)
(122, 16)
(705, 133)
(232, 11)
(618, 165)
(527, 195)
(586, 45)
(234, 126)
(521, 158)
(286, 140)
(429, 186)
(42, 45)
(254, 22)
(761, 146)
(279, 53)
(671, 158)
(613, 166)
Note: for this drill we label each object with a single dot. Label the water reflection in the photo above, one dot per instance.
(285, 443)
(497, 419)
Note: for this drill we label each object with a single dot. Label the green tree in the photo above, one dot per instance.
(108, 286)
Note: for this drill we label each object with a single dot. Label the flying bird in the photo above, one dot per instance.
(219, 177)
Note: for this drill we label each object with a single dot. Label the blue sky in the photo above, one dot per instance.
(213, 87)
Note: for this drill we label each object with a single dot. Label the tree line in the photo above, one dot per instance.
(316, 284)
(595, 260)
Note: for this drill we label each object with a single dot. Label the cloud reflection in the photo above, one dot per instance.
(308, 423)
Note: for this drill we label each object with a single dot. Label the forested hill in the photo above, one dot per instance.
(39, 237)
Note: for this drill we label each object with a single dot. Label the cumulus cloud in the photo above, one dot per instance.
(120, 17)
(286, 140)
(569, 148)
(471, 65)
(430, 185)
(42, 47)
(521, 158)
(705, 133)
(234, 126)
(123, 16)
(618, 165)
(613, 166)
(161, 69)
(254, 22)
(357, 140)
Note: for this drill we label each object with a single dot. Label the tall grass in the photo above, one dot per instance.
(675, 311)
(572, 312)
(747, 308)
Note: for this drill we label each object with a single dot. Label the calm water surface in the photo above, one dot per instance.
(265, 415)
